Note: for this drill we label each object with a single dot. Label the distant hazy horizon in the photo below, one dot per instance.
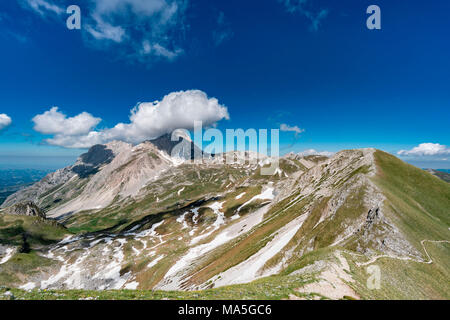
(35, 162)
(58, 162)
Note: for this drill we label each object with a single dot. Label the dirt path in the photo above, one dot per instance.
(333, 281)
(361, 264)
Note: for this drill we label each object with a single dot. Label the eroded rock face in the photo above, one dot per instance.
(27, 208)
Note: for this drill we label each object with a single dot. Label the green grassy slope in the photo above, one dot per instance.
(29, 235)
(37, 231)
(418, 202)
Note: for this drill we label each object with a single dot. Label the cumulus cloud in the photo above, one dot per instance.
(426, 149)
(5, 121)
(56, 122)
(303, 8)
(142, 30)
(287, 128)
(311, 152)
(148, 120)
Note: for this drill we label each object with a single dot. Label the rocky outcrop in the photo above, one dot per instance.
(27, 208)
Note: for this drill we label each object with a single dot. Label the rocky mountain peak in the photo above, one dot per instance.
(186, 149)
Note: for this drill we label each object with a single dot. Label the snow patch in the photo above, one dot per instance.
(251, 269)
(240, 195)
(182, 219)
(154, 262)
(174, 277)
(220, 220)
(9, 254)
(132, 285)
(28, 286)
(265, 195)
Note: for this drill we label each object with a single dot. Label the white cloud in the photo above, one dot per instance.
(106, 31)
(310, 152)
(142, 30)
(43, 6)
(148, 120)
(5, 121)
(302, 7)
(288, 128)
(426, 149)
(77, 142)
(159, 51)
(55, 122)
(145, 29)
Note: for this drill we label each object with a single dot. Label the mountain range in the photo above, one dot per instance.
(127, 217)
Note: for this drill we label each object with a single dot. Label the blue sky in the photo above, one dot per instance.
(311, 64)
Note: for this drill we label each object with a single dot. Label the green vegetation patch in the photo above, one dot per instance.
(37, 231)
(270, 288)
(418, 202)
(22, 266)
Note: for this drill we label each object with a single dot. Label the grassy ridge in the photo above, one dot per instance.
(28, 235)
(21, 266)
(38, 231)
(418, 202)
(407, 279)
